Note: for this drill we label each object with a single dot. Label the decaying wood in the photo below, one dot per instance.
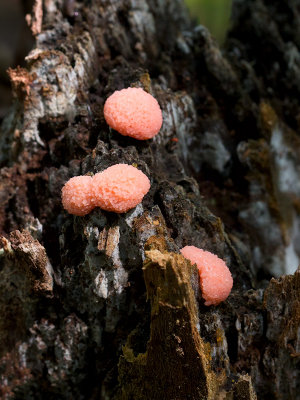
(104, 306)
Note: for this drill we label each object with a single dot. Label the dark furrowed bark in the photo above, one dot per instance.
(104, 306)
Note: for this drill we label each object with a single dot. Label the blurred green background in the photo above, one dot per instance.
(214, 14)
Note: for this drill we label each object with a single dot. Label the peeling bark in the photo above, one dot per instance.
(104, 306)
(35, 21)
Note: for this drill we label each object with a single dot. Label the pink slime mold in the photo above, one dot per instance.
(215, 278)
(77, 196)
(133, 112)
(120, 188)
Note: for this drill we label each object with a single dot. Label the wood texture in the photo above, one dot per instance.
(103, 306)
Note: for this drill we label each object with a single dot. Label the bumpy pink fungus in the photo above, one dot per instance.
(120, 188)
(133, 112)
(215, 278)
(77, 195)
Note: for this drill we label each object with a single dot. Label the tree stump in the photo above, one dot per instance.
(104, 306)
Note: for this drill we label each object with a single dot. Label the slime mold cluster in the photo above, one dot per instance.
(119, 188)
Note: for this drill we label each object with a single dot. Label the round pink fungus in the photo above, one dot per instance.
(133, 112)
(120, 188)
(77, 196)
(215, 278)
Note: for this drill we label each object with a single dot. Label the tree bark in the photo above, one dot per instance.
(104, 306)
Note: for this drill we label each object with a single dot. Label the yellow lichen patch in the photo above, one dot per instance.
(219, 336)
(268, 118)
(146, 81)
(207, 350)
(156, 243)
